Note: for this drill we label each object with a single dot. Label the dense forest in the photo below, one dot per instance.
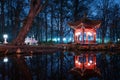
(51, 24)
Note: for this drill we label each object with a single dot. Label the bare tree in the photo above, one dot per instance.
(104, 6)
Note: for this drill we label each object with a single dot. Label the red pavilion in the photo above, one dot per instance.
(85, 30)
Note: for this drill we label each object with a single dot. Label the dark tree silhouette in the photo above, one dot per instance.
(35, 8)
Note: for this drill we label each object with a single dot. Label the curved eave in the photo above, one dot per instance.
(96, 26)
(72, 26)
(87, 23)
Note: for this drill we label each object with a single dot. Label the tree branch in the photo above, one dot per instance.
(42, 7)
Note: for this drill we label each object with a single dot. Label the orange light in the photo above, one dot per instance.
(89, 33)
(88, 64)
(79, 63)
(94, 33)
(95, 63)
(76, 61)
(77, 33)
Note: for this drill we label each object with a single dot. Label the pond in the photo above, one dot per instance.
(62, 65)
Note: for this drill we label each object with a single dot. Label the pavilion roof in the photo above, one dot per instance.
(87, 23)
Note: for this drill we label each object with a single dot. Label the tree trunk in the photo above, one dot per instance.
(2, 17)
(61, 22)
(25, 29)
(35, 8)
(51, 22)
(46, 27)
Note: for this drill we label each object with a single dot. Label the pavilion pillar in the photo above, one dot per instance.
(87, 59)
(86, 38)
(94, 37)
(83, 36)
(74, 38)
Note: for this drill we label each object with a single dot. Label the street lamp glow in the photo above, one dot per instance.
(5, 60)
(5, 36)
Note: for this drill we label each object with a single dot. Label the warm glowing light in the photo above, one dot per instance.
(18, 50)
(79, 63)
(94, 33)
(77, 33)
(89, 33)
(88, 64)
(76, 61)
(5, 60)
(95, 63)
(90, 61)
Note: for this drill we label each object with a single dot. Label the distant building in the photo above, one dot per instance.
(31, 41)
(85, 30)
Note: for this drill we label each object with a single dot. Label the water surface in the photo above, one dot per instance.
(61, 65)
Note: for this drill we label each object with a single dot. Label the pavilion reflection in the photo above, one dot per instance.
(85, 66)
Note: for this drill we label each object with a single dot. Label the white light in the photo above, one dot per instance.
(55, 39)
(77, 33)
(89, 33)
(31, 41)
(5, 36)
(88, 64)
(70, 39)
(79, 63)
(58, 39)
(90, 61)
(76, 61)
(5, 60)
(64, 39)
(118, 39)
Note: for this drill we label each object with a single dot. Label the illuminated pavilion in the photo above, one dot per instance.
(85, 30)
(85, 66)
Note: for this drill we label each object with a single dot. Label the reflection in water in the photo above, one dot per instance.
(61, 66)
(85, 66)
(5, 59)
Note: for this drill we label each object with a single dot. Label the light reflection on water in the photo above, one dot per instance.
(61, 66)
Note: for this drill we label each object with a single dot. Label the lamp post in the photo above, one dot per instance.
(5, 36)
